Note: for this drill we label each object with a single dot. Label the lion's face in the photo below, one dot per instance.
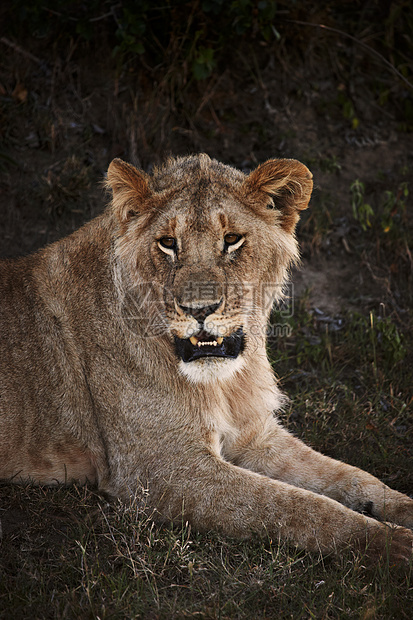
(213, 245)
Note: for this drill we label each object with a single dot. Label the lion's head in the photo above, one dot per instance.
(210, 248)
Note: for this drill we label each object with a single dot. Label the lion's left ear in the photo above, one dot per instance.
(289, 184)
(130, 188)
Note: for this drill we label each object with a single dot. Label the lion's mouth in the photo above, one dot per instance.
(206, 345)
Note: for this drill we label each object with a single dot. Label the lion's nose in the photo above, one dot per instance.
(200, 313)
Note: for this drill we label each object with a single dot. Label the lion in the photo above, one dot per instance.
(133, 356)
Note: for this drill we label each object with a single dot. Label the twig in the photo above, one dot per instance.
(22, 51)
(209, 93)
(91, 20)
(363, 45)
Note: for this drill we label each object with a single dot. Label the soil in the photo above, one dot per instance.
(64, 119)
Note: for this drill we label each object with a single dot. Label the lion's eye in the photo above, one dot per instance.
(167, 245)
(168, 242)
(232, 242)
(231, 239)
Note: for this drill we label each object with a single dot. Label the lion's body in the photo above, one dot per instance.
(132, 355)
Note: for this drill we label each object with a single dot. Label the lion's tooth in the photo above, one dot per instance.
(193, 340)
(220, 340)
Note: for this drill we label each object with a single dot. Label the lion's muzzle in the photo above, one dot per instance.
(202, 330)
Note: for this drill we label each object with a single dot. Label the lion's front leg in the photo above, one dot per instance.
(212, 494)
(277, 454)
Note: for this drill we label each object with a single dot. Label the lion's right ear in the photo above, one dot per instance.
(130, 189)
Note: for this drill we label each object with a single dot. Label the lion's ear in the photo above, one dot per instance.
(130, 189)
(289, 185)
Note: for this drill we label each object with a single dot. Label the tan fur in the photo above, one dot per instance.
(92, 388)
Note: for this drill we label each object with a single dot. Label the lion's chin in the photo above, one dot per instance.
(205, 358)
(211, 369)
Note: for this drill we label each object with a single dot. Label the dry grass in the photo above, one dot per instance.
(68, 554)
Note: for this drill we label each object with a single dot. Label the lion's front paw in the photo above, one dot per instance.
(402, 512)
(391, 543)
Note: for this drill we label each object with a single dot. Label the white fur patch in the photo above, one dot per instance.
(208, 369)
